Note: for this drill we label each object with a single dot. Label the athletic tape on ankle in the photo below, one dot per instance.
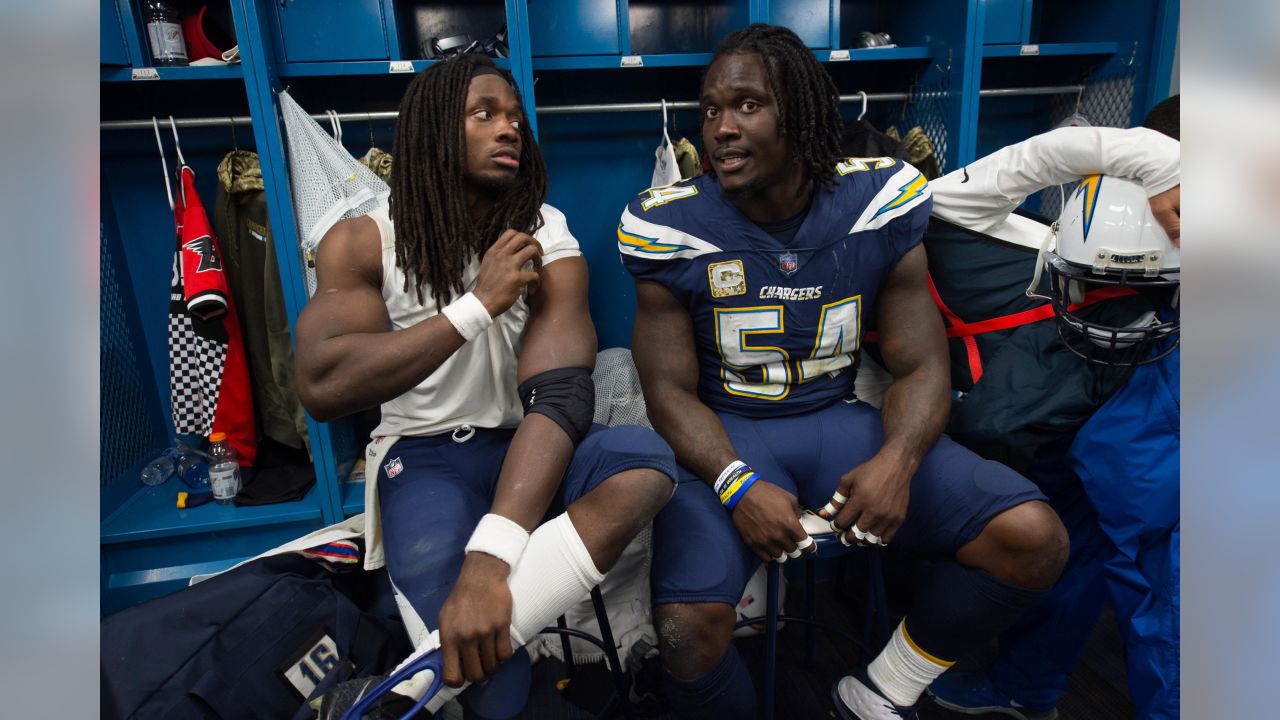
(468, 315)
(500, 537)
(734, 482)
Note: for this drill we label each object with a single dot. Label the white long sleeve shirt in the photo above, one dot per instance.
(983, 195)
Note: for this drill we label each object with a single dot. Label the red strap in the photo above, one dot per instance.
(958, 328)
(1026, 317)
(970, 345)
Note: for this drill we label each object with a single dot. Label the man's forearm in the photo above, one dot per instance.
(693, 431)
(532, 471)
(361, 370)
(915, 412)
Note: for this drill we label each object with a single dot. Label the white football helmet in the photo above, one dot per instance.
(1108, 245)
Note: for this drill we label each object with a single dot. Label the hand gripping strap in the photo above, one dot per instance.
(566, 395)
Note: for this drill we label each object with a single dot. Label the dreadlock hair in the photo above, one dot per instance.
(808, 102)
(435, 235)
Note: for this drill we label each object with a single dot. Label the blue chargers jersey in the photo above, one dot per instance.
(777, 327)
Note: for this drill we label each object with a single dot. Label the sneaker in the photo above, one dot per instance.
(856, 698)
(341, 697)
(971, 693)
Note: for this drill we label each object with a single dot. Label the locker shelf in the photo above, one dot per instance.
(365, 67)
(151, 513)
(1050, 49)
(605, 62)
(873, 54)
(198, 72)
(352, 498)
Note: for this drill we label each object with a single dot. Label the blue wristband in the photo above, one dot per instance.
(734, 483)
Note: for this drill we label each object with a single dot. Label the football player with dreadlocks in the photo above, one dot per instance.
(755, 283)
(495, 504)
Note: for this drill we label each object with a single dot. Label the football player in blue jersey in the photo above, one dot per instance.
(755, 284)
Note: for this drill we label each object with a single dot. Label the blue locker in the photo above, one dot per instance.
(111, 33)
(1008, 22)
(573, 27)
(810, 19)
(322, 30)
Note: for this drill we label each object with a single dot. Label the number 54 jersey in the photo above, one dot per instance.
(777, 325)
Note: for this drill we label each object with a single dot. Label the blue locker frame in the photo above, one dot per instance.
(577, 48)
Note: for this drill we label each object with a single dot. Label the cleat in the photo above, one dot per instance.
(856, 698)
(971, 693)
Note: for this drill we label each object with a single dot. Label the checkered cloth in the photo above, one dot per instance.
(209, 388)
(196, 363)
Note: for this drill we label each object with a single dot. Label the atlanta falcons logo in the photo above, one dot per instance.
(203, 245)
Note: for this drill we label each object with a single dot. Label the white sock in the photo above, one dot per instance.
(902, 671)
(554, 574)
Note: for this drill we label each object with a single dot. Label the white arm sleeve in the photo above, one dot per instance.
(982, 195)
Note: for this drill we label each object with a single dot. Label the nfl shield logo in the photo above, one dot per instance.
(788, 263)
(393, 468)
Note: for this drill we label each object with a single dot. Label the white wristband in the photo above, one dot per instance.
(500, 537)
(468, 315)
(726, 474)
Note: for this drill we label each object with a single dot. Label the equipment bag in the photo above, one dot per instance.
(258, 641)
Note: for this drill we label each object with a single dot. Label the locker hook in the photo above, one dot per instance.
(168, 190)
(369, 119)
(863, 93)
(235, 141)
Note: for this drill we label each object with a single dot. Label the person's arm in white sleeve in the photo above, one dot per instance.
(981, 195)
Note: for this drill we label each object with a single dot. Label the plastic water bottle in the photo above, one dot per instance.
(160, 469)
(164, 30)
(224, 471)
(194, 471)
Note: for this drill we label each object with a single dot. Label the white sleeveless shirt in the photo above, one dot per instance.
(476, 386)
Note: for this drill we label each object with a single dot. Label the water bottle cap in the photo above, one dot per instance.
(217, 437)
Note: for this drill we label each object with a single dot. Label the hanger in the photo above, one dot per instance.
(336, 124)
(1076, 119)
(235, 142)
(863, 93)
(666, 138)
(177, 145)
(182, 162)
(168, 190)
(369, 120)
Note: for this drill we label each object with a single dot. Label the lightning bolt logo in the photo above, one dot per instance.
(1089, 186)
(906, 194)
(203, 246)
(647, 244)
